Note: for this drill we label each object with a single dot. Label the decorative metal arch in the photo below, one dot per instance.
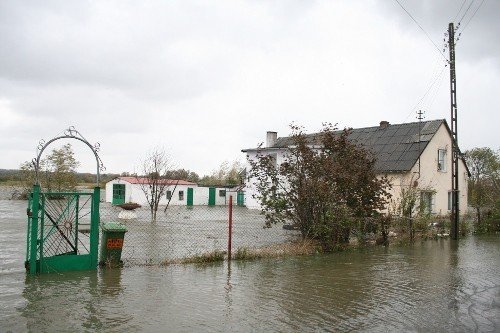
(70, 133)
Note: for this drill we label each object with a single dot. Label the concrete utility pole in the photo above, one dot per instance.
(455, 212)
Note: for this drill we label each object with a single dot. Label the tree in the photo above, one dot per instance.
(184, 175)
(484, 166)
(226, 175)
(154, 182)
(57, 171)
(61, 168)
(322, 187)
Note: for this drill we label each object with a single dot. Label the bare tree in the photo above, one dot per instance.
(154, 182)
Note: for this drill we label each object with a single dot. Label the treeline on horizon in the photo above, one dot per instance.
(226, 175)
(16, 175)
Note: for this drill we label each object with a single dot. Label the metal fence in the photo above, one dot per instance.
(182, 232)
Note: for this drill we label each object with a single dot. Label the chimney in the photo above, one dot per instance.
(271, 138)
(384, 124)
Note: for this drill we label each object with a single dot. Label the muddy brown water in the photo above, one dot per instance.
(430, 286)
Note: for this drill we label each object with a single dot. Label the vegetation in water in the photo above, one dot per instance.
(204, 258)
(323, 191)
(484, 188)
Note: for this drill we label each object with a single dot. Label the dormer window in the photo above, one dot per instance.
(441, 160)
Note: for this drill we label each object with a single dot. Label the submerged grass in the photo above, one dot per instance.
(204, 258)
(296, 248)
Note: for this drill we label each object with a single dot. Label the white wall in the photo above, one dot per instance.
(133, 193)
(250, 189)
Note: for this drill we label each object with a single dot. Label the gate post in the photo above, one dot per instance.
(34, 229)
(94, 226)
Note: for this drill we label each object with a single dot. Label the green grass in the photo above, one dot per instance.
(205, 258)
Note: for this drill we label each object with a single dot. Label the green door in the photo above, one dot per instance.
(118, 194)
(240, 199)
(211, 196)
(190, 197)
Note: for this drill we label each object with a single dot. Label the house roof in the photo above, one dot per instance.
(395, 147)
(145, 180)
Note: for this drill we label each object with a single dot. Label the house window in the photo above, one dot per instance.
(181, 195)
(442, 160)
(222, 193)
(169, 195)
(426, 202)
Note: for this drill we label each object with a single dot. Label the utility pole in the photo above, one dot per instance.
(455, 212)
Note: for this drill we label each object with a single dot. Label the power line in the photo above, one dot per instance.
(470, 19)
(435, 79)
(425, 32)
(468, 8)
(434, 94)
(462, 6)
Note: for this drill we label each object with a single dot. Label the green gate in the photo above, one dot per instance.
(63, 231)
(118, 194)
(63, 227)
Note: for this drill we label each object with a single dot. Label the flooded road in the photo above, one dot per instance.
(431, 286)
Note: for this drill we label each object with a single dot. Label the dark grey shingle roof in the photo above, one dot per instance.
(396, 147)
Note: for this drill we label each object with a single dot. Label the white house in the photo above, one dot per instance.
(179, 192)
(413, 154)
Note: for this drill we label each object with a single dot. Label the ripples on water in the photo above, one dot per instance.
(433, 286)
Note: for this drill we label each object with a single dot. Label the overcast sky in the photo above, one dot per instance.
(205, 79)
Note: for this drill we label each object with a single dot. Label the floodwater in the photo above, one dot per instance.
(431, 286)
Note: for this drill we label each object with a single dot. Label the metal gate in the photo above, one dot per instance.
(63, 231)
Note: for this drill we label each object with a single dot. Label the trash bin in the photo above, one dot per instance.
(112, 237)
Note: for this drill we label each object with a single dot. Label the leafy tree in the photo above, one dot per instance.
(61, 168)
(153, 183)
(227, 174)
(484, 166)
(184, 175)
(322, 186)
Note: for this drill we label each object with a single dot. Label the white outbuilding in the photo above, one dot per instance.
(178, 192)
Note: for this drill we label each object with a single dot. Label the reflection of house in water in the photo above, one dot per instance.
(177, 192)
(413, 154)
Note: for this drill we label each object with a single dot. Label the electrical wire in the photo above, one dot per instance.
(425, 32)
(466, 11)
(434, 80)
(462, 6)
(470, 19)
(433, 95)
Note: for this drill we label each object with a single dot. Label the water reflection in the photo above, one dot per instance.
(87, 299)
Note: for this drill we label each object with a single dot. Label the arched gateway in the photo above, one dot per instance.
(63, 227)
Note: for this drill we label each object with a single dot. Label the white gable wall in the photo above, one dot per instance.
(431, 178)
